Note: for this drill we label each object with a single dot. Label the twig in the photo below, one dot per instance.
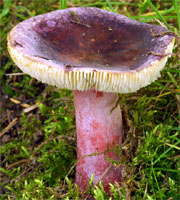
(71, 170)
(30, 108)
(23, 173)
(162, 33)
(145, 192)
(158, 54)
(41, 57)
(15, 74)
(173, 146)
(15, 101)
(77, 20)
(174, 157)
(46, 141)
(25, 105)
(80, 23)
(178, 102)
(166, 33)
(17, 163)
(105, 172)
(90, 155)
(5, 130)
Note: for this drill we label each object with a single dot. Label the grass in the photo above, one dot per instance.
(38, 150)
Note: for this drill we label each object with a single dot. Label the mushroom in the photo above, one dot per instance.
(98, 54)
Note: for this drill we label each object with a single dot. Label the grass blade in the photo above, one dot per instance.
(6, 8)
(63, 4)
(159, 14)
(173, 79)
(176, 6)
(110, 5)
(168, 170)
(162, 155)
(156, 182)
(105, 3)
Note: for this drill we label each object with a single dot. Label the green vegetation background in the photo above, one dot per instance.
(38, 147)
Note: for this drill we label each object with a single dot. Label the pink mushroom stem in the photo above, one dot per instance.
(99, 129)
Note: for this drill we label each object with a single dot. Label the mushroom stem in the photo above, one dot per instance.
(99, 132)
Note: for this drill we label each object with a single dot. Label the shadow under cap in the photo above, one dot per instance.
(92, 38)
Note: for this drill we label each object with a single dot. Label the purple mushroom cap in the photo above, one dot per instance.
(92, 41)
